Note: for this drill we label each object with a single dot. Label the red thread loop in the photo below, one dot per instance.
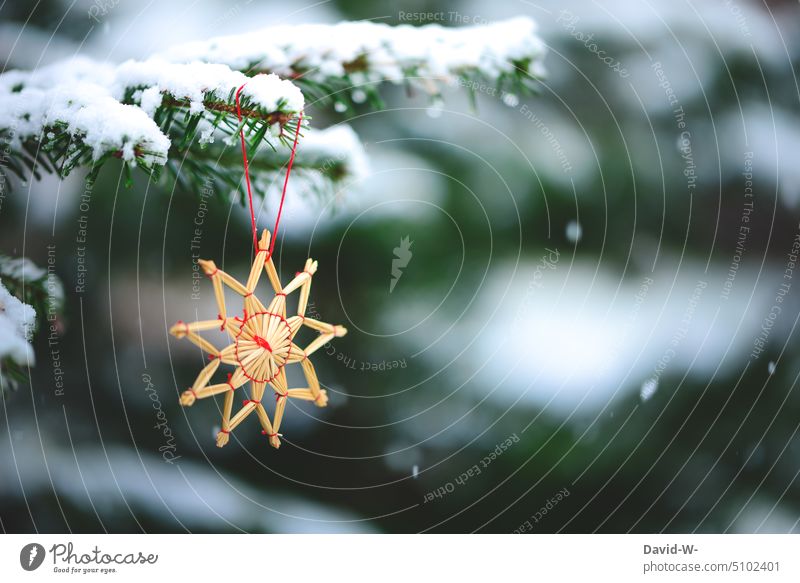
(248, 401)
(279, 396)
(247, 176)
(229, 383)
(224, 431)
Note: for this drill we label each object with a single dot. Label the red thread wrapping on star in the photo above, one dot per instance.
(236, 346)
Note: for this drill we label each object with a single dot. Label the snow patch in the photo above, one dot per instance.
(17, 322)
(374, 52)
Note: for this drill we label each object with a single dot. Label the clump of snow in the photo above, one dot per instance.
(196, 81)
(374, 52)
(17, 322)
(150, 99)
(88, 112)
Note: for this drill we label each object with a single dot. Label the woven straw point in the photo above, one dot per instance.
(262, 344)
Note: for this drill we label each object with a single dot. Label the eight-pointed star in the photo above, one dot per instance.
(261, 345)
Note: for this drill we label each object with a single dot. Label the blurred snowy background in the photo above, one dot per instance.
(593, 270)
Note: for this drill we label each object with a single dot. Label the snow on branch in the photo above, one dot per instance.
(84, 115)
(203, 86)
(80, 113)
(17, 322)
(364, 53)
(329, 158)
(326, 160)
(168, 110)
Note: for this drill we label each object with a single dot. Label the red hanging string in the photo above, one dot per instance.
(247, 177)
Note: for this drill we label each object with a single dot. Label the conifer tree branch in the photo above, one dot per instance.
(164, 111)
(348, 60)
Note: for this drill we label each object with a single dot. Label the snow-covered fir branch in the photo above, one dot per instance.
(170, 110)
(328, 159)
(352, 55)
(80, 113)
(25, 291)
(17, 321)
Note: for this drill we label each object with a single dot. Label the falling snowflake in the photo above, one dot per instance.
(649, 388)
(574, 231)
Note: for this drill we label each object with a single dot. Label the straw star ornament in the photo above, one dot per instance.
(262, 344)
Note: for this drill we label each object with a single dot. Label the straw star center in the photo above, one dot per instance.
(263, 345)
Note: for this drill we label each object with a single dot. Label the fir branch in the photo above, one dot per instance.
(134, 112)
(328, 159)
(27, 294)
(163, 112)
(344, 62)
(32, 285)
